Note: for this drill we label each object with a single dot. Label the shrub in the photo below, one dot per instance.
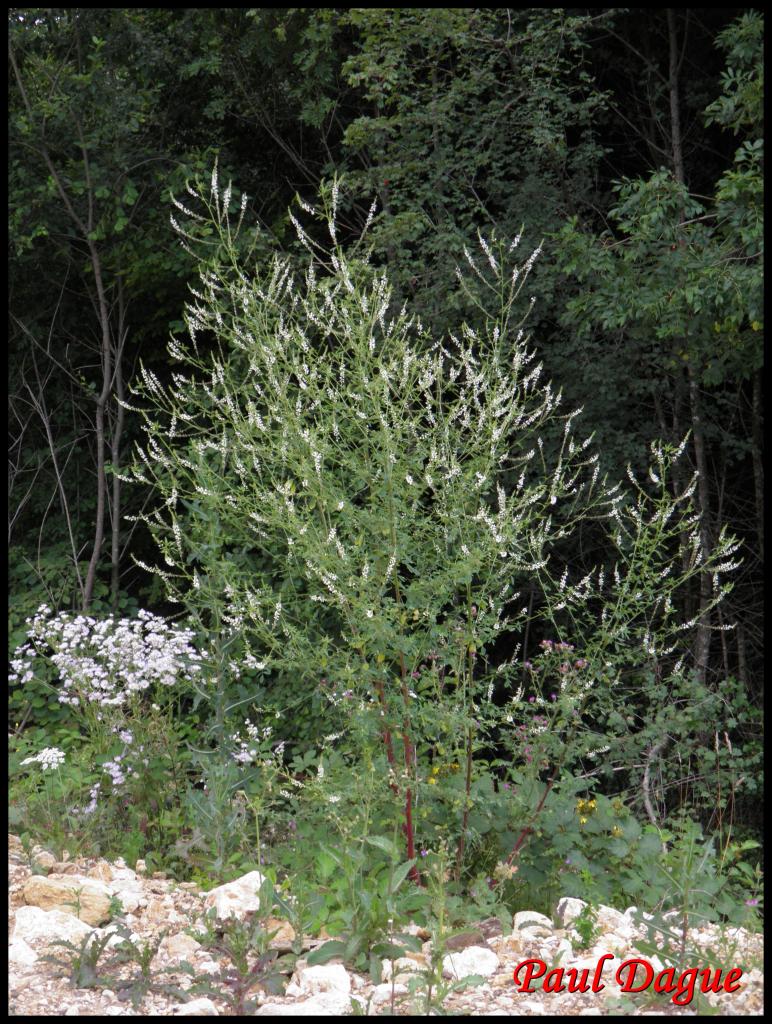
(359, 509)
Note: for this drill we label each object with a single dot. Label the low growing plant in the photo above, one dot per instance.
(245, 945)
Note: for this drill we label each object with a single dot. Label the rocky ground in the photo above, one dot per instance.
(78, 898)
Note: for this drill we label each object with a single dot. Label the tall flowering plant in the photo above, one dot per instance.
(381, 498)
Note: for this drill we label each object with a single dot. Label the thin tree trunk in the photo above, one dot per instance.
(115, 456)
(86, 228)
(702, 644)
(758, 465)
(99, 423)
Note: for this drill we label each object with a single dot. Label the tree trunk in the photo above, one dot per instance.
(758, 465)
(702, 643)
(99, 423)
(115, 455)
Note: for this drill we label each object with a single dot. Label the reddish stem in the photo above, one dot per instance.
(408, 751)
(465, 819)
(528, 830)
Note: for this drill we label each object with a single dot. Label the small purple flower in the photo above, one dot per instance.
(553, 696)
(415, 675)
(531, 700)
(424, 853)
(528, 665)
(751, 903)
(506, 785)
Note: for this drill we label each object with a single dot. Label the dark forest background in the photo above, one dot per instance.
(628, 141)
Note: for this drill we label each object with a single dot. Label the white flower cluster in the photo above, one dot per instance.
(49, 757)
(104, 661)
(249, 750)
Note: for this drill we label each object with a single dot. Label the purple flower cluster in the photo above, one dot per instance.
(554, 645)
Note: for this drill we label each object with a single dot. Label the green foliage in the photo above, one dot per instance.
(740, 106)
(400, 700)
(365, 904)
(429, 983)
(82, 967)
(250, 960)
(585, 925)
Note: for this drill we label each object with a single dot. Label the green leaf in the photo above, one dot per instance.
(401, 873)
(323, 954)
(385, 844)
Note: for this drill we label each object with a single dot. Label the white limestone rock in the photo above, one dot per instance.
(202, 1007)
(472, 960)
(530, 919)
(325, 1004)
(34, 925)
(22, 954)
(178, 947)
(382, 993)
(237, 898)
(76, 895)
(310, 981)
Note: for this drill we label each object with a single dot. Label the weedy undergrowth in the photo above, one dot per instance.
(83, 970)
(251, 963)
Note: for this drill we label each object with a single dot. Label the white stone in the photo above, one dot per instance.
(535, 931)
(617, 944)
(568, 909)
(177, 947)
(323, 978)
(610, 920)
(382, 993)
(237, 898)
(472, 960)
(526, 918)
(33, 924)
(565, 947)
(208, 966)
(43, 857)
(129, 891)
(86, 898)
(402, 965)
(19, 952)
(202, 1007)
(325, 1004)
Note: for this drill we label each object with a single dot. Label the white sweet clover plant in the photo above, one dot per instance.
(367, 505)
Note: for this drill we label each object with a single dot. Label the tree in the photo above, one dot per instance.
(675, 277)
